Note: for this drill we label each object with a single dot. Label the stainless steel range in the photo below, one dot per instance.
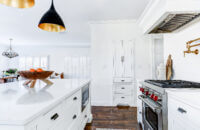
(154, 101)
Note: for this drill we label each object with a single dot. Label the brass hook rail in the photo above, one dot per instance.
(189, 46)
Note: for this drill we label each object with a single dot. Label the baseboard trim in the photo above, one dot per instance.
(101, 103)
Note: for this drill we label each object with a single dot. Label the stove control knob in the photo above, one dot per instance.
(155, 98)
(142, 89)
(152, 96)
(147, 93)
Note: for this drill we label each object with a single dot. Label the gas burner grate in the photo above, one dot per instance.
(174, 83)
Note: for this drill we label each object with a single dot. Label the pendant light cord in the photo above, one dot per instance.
(52, 5)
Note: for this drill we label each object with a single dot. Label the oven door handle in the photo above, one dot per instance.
(155, 107)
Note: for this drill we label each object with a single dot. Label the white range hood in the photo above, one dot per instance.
(166, 16)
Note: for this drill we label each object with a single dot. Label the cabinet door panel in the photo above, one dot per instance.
(59, 126)
(117, 59)
(128, 60)
(123, 59)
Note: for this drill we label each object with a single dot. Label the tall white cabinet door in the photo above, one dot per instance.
(123, 58)
(128, 59)
(117, 59)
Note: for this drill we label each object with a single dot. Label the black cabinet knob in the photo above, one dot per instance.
(55, 116)
(181, 110)
(74, 117)
(75, 98)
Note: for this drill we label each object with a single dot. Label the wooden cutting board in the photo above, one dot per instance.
(169, 68)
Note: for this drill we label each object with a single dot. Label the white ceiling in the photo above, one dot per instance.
(21, 24)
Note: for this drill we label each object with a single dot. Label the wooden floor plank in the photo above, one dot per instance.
(114, 118)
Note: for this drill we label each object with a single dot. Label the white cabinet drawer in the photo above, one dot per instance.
(121, 99)
(71, 114)
(80, 122)
(184, 111)
(123, 89)
(123, 86)
(66, 111)
(84, 117)
(74, 99)
(72, 108)
(51, 118)
(75, 124)
(122, 80)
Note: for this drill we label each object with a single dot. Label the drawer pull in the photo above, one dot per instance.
(85, 116)
(123, 88)
(75, 98)
(74, 117)
(122, 97)
(122, 80)
(181, 110)
(55, 116)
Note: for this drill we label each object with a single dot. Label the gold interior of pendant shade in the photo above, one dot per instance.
(18, 3)
(51, 27)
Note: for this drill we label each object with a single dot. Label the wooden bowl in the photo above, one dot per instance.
(35, 75)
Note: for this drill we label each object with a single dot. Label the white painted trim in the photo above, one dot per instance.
(147, 10)
(113, 21)
(101, 103)
(151, 5)
(59, 46)
(157, 36)
(152, 44)
(152, 48)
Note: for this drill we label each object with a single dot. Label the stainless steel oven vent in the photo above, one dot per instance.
(175, 21)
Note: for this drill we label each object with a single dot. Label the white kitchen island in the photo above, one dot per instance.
(58, 107)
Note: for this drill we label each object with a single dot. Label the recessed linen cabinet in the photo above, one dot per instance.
(123, 73)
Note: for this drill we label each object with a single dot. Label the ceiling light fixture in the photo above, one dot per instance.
(10, 53)
(51, 21)
(18, 3)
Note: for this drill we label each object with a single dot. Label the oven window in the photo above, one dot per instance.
(151, 117)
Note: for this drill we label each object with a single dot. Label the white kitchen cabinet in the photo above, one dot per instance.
(182, 116)
(123, 75)
(80, 121)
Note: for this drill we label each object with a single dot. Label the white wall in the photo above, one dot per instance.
(185, 68)
(56, 55)
(102, 35)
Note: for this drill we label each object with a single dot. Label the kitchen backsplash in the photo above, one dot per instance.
(188, 67)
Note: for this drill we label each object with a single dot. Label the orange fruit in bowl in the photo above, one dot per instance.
(39, 70)
(32, 70)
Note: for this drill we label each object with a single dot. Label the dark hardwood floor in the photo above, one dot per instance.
(114, 117)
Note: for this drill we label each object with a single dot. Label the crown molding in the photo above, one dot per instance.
(113, 21)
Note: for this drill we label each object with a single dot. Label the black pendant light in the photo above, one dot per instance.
(51, 21)
(18, 3)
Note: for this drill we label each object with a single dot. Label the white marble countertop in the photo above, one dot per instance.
(18, 106)
(188, 96)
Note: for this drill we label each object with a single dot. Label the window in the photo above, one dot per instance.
(77, 67)
(25, 63)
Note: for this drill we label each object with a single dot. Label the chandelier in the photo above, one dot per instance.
(10, 53)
